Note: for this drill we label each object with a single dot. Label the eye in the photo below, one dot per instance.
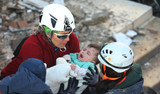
(124, 55)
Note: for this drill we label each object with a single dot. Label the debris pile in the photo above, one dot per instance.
(95, 22)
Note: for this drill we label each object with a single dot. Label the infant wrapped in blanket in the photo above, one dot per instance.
(77, 67)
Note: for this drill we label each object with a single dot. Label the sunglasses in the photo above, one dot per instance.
(63, 36)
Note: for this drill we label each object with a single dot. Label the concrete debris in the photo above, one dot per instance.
(97, 18)
(141, 32)
(153, 31)
(35, 3)
(27, 6)
(59, 2)
(131, 33)
(147, 64)
(0, 20)
(121, 37)
(18, 26)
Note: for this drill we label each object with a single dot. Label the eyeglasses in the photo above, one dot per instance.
(63, 36)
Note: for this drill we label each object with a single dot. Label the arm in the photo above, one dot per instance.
(30, 49)
(78, 70)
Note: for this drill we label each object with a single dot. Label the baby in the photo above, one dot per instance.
(77, 66)
(80, 62)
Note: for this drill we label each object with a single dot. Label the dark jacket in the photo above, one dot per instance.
(29, 79)
(132, 84)
(37, 46)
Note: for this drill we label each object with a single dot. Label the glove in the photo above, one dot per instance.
(72, 87)
(91, 79)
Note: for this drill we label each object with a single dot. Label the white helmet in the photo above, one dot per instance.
(117, 56)
(57, 17)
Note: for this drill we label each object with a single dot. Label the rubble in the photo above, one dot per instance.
(95, 22)
(97, 18)
(18, 26)
(34, 4)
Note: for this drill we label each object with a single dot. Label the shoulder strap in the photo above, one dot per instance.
(17, 50)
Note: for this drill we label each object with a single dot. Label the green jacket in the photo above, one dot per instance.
(133, 77)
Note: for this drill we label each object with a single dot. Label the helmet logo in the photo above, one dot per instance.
(125, 56)
(40, 17)
(53, 20)
(67, 24)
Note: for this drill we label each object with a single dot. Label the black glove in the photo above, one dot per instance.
(91, 79)
(72, 87)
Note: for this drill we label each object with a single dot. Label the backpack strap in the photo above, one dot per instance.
(17, 50)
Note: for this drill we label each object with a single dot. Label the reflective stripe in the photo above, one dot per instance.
(106, 77)
(110, 78)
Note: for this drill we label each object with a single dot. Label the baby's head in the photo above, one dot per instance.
(89, 53)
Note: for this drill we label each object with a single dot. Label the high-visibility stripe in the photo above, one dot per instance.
(111, 78)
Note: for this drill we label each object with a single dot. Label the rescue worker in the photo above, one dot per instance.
(54, 39)
(119, 74)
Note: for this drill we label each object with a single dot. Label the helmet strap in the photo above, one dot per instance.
(50, 37)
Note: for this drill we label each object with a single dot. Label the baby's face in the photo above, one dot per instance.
(87, 54)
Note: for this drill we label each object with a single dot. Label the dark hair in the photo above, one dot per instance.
(105, 85)
(97, 47)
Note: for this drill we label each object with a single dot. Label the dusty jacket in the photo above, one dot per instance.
(29, 79)
(36, 46)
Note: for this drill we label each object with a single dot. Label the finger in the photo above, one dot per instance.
(96, 70)
(86, 78)
(76, 83)
(73, 81)
(91, 70)
(85, 83)
(88, 75)
(69, 83)
(61, 87)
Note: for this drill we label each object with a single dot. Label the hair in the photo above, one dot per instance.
(98, 48)
(105, 85)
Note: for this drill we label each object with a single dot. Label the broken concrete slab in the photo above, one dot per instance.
(126, 14)
(97, 18)
(36, 3)
(149, 44)
(18, 26)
